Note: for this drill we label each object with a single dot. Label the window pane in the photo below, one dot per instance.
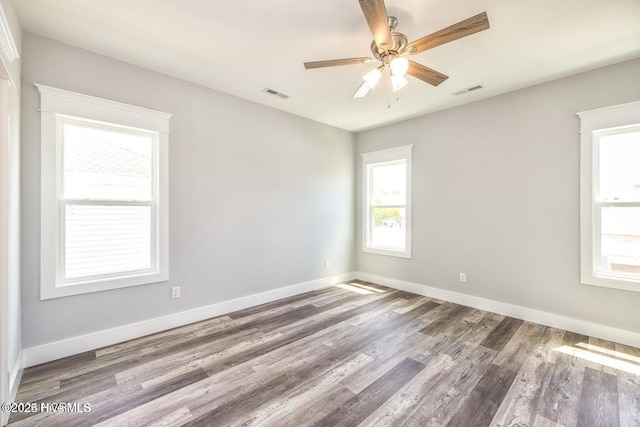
(620, 245)
(619, 166)
(103, 164)
(388, 228)
(106, 239)
(389, 185)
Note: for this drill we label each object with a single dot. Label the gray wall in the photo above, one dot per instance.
(496, 195)
(258, 198)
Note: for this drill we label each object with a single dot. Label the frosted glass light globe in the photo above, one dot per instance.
(399, 66)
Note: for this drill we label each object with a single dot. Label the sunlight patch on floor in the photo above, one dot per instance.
(613, 353)
(359, 288)
(599, 358)
(349, 287)
(369, 288)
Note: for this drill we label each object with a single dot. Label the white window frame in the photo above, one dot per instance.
(58, 105)
(370, 160)
(593, 124)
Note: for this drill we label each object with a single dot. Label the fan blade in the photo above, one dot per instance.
(362, 91)
(376, 15)
(456, 31)
(425, 73)
(335, 62)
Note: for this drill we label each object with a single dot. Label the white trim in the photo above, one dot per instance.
(529, 314)
(55, 102)
(51, 351)
(7, 42)
(594, 122)
(612, 109)
(61, 101)
(70, 346)
(389, 155)
(15, 377)
(5, 230)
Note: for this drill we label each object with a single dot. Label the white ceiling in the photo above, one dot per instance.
(242, 47)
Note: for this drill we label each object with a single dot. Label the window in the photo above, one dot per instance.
(387, 202)
(610, 197)
(104, 204)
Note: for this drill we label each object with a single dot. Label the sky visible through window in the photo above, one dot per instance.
(619, 181)
(620, 167)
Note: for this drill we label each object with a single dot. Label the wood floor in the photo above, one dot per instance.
(359, 355)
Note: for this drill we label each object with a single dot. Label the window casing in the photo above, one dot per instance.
(104, 187)
(610, 197)
(387, 202)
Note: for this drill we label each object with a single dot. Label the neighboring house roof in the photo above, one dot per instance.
(92, 155)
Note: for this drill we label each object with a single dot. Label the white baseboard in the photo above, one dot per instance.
(58, 349)
(70, 346)
(532, 315)
(15, 376)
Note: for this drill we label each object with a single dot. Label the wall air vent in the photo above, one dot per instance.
(469, 89)
(275, 93)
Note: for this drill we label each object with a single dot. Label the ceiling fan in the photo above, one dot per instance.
(390, 48)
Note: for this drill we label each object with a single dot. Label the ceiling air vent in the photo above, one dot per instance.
(275, 93)
(469, 89)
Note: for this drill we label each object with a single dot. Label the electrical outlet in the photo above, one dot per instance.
(327, 264)
(175, 292)
(463, 277)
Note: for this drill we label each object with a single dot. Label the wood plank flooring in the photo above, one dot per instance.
(357, 355)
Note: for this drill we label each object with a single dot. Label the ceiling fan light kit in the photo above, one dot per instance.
(399, 66)
(390, 48)
(373, 77)
(398, 82)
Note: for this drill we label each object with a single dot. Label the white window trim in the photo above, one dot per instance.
(56, 102)
(385, 156)
(593, 122)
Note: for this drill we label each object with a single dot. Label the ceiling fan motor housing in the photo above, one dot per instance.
(387, 53)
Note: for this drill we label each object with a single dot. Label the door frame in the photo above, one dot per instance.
(9, 204)
(5, 224)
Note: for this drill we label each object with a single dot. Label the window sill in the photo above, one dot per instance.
(77, 288)
(388, 252)
(628, 284)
